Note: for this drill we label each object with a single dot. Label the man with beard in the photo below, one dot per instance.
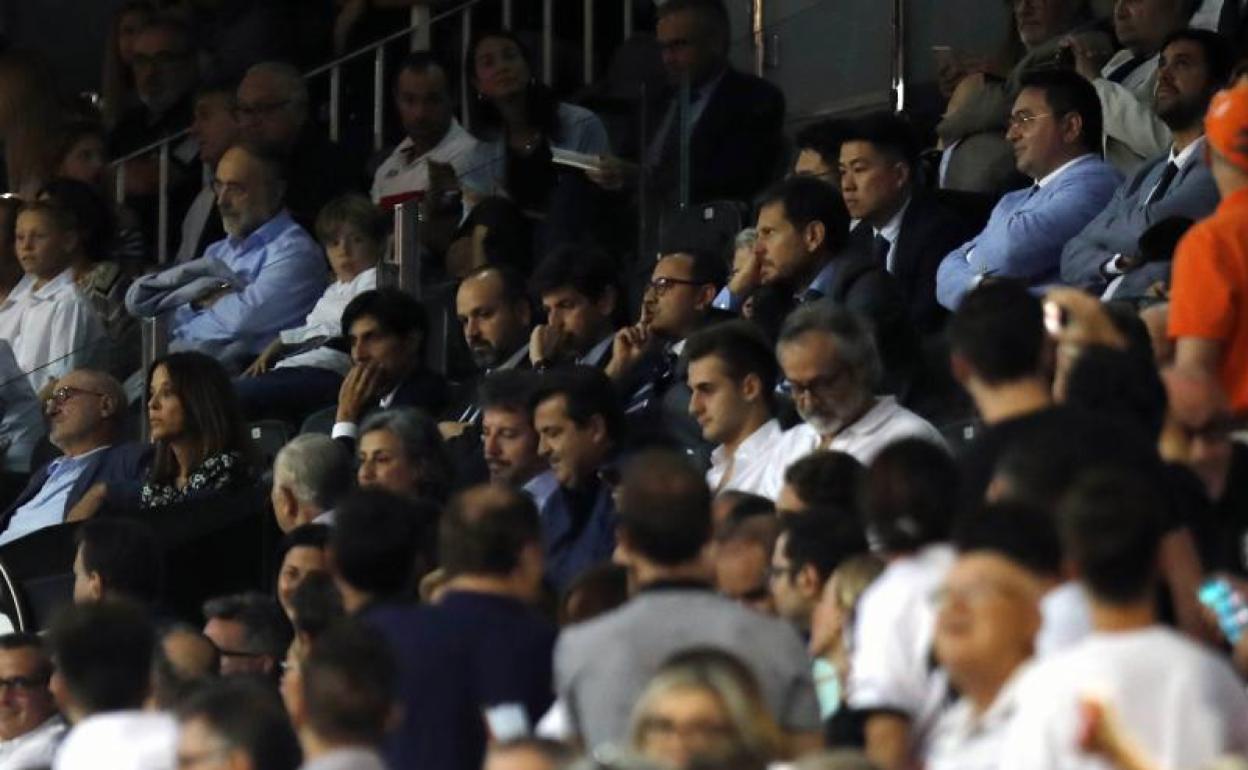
(829, 359)
(262, 278)
(1193, 65)
(494, 314)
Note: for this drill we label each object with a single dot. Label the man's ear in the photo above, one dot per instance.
(808, 583)
(95, 586)
(606, 303)
(751, 387)
(597, 427)
(1072, 127)
(815, 236)
(960, 368)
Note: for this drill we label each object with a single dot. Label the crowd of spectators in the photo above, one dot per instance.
(921, 448)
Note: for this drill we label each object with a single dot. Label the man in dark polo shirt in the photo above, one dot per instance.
(480, 659)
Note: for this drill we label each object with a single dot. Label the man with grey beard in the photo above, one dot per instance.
(262, 278)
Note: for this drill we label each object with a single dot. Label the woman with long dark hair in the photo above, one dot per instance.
(200, 441)
(520, 122)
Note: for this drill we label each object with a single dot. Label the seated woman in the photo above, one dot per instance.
(704, 708)
(302, 553)
(50, 326)
(297, 373)
(520, 124)
(201, 443)
(401, 451)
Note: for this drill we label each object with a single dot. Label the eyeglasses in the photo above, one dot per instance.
(662, 285)
(972, 595)
(818, 386)
(23, 683)
(663, 727)
(1023, 120)
(259, 109)
(66, 392)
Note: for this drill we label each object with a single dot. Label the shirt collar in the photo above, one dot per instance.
(453, 134)
(515, 359)
(892, 229)
(756, 444)
(873, 419)
(1183, 158)
(52, 287)
(1053, 175)
(823, 281)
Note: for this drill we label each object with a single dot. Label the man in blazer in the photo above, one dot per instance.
(1193, 65)
(86, 412)
(737, 136)
(1055, 130)
(905, 229)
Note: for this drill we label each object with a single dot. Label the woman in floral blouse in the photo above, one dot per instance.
(200, 441)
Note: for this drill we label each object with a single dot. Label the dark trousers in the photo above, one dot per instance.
(290, 393)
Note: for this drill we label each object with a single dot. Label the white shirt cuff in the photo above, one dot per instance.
(344, 430)
(1114, 266)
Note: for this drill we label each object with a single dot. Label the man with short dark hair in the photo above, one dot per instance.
(30, 728)
(809, 549)
(601, 667)
(821, 479)
(385, 330)
(377, 547)
(905, 229)
(236, 724)
(579, 425)
(492, 306)
(346, 699)
(249, 630)
(476, 666)
(509, 442)
(263, 278)
(579, 296)
(432, 136)
(102, 653)
(117, 558)
(818, 148)
(1055, 129)
(1193, 66)
(1111, 528)
(742, 557)
(731, 371)
(86, 416)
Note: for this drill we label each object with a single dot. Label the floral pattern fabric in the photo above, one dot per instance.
(215, 473)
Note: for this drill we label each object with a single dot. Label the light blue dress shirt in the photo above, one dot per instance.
(818, 288)
(283, 272)
(47, 507)
(1024, 237)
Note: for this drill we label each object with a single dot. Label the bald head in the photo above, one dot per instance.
(493, 312)
(272, 105)
(86, 412)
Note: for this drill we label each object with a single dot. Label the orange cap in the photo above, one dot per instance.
(1226, 125)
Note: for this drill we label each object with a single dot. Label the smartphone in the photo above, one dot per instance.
(1228, 605)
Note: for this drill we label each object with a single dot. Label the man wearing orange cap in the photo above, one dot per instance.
(1209, 301)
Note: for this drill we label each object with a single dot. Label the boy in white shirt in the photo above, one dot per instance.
(49, 325)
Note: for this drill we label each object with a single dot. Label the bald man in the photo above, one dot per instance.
(86, 414)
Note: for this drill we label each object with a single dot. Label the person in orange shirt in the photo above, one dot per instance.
(1209, 298)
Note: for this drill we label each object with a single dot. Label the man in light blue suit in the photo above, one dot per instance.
(1055, 130)
(1193, 65)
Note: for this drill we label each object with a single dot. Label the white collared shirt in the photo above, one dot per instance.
(1052, 176)
(751, 464)
(396, 177)
(51, 329)
(964, 740)
(35, 748)
(325, 320)
(892, 231)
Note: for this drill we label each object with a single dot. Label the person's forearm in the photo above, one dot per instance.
(888, 741)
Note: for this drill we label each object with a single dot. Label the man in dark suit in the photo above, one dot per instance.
(736, 120)
(386, 331)
(904, 229)
(85, 416)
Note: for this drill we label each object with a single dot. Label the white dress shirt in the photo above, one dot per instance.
(120, 740)
(52, 329)
(397, 177)
(325, 320)
(892, 232)
(963, 740)
(751, 464)
(35, 748)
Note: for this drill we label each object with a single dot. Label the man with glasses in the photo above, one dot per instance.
(250, 631)
(86, 416)
(273, 112)
(1055, 130)
(830, 362)
(30, 728)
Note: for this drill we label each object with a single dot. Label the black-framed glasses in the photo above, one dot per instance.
(24, 683)
(66, 392)
(663, 284)
(1024, 120)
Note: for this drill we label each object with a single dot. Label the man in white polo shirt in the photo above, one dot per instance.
(434, 138)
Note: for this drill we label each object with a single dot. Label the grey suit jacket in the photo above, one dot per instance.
(1118, 228)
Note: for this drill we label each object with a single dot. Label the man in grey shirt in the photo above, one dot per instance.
(602, 666)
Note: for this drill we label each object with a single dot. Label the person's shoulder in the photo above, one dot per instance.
(747, 84)
(581, 640)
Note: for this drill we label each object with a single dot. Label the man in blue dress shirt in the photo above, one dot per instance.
(262, 278)
(1055, 130)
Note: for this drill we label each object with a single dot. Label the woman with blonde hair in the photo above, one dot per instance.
(704, 705)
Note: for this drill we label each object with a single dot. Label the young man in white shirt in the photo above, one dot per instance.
(1184, 705)
(49, 325)
(30, 728)
(433, 136)
(731, 374)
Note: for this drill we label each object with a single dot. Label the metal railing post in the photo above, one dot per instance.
(154, 339)
(335, 103)
(162, 211)
(379, 97)
(684, 124)
(899, 55)
(407, 251)
(548, 41)
(628, 19)
(507, 14)
(465, 91)
(421, 33)
(758, 29)
(119, 184)
(587, 42)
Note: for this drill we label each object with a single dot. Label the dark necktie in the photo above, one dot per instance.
(882, 246)
(1163, 184)
(1121, 72)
